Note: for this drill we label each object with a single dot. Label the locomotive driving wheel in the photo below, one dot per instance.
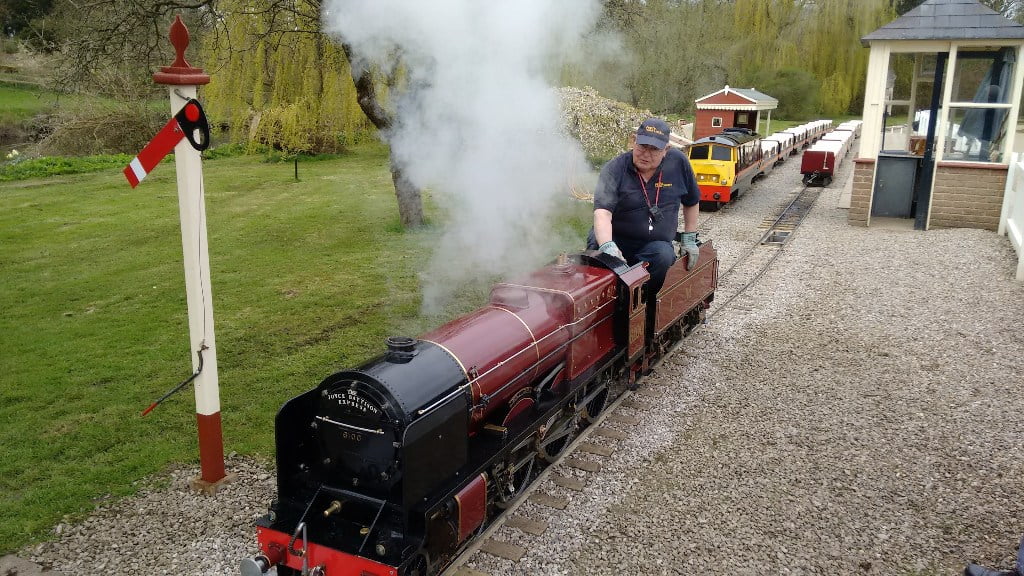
(556, 434)
(595, 406)
(419, 566)
(516, 476)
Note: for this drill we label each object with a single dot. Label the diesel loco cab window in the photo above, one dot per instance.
(699, 152)
(721, 153)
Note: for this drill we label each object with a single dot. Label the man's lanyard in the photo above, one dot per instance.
(652, 211)
(657, 192)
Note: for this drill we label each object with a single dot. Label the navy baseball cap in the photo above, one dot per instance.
(653, 132)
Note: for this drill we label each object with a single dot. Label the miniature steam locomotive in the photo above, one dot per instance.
(391, 468)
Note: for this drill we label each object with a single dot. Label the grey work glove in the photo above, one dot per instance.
(612, 249)
(689, 246)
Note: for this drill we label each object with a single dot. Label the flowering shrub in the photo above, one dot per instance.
(601, 125)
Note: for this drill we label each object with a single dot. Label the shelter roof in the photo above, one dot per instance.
(948, 20)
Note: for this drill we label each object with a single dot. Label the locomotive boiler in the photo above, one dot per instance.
(391, 468)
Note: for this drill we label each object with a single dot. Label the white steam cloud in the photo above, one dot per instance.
(480, 125)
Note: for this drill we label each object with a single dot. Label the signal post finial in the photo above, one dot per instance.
(180, 72)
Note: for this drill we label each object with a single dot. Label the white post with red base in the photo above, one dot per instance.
(183, 80)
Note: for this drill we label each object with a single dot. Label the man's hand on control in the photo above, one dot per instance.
(689, 245)
(612, 249)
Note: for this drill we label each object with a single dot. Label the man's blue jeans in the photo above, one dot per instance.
(659, 255)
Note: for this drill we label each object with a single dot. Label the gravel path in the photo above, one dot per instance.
(856, 412)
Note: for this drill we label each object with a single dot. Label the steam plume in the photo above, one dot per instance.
(480, 125)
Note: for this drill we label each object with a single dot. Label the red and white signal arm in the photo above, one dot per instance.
(189, 123)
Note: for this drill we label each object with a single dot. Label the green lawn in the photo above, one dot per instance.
(308, 277)
(19, 104)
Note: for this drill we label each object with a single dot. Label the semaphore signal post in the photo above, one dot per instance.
(188, 132)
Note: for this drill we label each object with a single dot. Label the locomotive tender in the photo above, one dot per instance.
(391, 468)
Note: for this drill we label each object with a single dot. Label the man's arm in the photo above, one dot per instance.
(690, 217)
(603, 225)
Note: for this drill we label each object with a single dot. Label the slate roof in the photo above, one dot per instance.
(948, 20)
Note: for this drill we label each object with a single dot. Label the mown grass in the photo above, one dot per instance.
(19, 104)
(308, 277)
(60, 165)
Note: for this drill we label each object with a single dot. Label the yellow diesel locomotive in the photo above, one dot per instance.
(726, 164)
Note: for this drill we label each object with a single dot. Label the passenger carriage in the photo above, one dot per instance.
(853, 126)
(786, 143)
(800, 137)
(771, 154)
(817, 128)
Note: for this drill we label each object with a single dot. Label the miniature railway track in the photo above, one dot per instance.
(749, 267)
(753, 263)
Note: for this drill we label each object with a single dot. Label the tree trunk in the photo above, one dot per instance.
(410, 199)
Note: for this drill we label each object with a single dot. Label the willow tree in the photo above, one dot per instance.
(667, 53)
(278, 81)
(281, 81)
(821, 37)
(833, 52)
(770, 35)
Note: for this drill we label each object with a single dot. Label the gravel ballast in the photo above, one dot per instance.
(856, 411)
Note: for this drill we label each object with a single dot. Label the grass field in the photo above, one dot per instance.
(308, 277)
(22, 103)
(19, 104)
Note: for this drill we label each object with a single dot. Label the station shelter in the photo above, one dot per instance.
(732, 108)
(941, 103)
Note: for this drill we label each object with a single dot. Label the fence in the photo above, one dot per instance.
(1011, 221)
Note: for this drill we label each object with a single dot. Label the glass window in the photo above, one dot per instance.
(899, 81)
(699, 152)
(716, 122)
(975, 134)
(721, 153)
(980, 106)
(899, 127)
(742, 117)
(983, 77)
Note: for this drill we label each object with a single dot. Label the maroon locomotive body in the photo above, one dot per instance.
(391, 468)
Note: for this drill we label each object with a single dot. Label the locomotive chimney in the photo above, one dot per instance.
(400, 349)
(562, 264)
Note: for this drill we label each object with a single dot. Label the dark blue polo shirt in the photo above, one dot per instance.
(619, 191)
